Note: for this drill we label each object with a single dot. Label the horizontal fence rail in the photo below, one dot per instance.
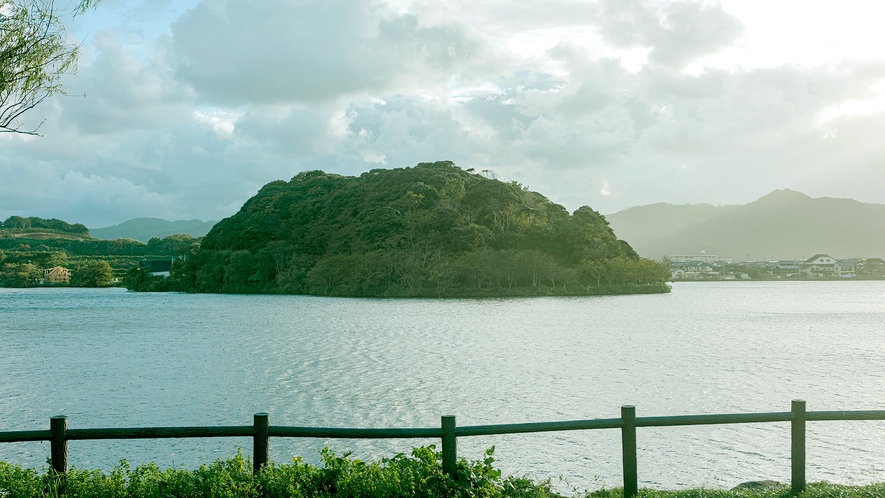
(261, 431)
(354, 433)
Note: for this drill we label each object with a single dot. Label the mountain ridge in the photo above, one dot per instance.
(784, 224)
(144, 229)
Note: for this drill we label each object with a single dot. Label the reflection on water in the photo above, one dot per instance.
(110, 358)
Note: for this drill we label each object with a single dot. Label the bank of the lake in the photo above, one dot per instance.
(111, 358)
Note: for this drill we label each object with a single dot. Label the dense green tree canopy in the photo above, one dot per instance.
(34, 222)
(87, 246)
(430, 230)
(19, 274)
(92, 274)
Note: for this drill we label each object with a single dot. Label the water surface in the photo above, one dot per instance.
(111, 358)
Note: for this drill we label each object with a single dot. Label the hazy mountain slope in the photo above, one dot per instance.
(654, 221)
(144, 229)
(781, 225)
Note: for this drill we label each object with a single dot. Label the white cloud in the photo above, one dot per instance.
(239, 51)
(219, 121)
(853, 107)
(605, 189)
(677, 32)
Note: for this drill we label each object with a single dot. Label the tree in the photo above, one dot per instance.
(93, 274)
(19, 274)
(16, 221)
(34, 55)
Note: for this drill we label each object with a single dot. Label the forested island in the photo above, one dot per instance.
(425, 231)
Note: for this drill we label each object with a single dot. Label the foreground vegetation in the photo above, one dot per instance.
(417, 475)
(429, 230)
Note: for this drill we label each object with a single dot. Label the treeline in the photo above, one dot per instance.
(16, 271)
(487, 272)
(431, 230)
(166, 246)
(33, 222)
(91, 262)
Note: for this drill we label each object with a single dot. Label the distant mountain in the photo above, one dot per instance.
(784, 224)
(144, 229)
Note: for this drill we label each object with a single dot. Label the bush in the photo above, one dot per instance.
(417, 475)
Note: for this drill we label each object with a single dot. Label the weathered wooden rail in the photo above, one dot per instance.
(261, 431)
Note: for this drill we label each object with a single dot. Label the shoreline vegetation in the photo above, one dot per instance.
(28, 246)
(432, 230)
(418, 474)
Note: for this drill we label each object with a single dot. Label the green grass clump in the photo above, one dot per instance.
(416, 475)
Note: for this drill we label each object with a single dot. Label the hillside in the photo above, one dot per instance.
(30, 245)
(39, 227)
(145, 229)
(781, 225)
(430, 230)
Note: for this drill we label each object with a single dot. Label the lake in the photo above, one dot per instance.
(112, 358)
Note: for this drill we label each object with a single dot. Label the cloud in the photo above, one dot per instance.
(239, 52)
(678, 32)
(403, 131)
(192, 123)
(118, 91)
(296, 132)
(76, 197)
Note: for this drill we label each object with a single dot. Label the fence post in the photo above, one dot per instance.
(58, 426)
(797, 449)
(449, 446)
(260, 441)
(628, 451)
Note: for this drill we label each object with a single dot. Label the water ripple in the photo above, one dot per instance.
(113, 358)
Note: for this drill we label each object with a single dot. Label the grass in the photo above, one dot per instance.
(416, 475)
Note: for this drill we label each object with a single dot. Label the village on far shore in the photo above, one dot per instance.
(820, 266)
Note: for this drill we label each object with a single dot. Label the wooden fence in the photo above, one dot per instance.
(261, 431)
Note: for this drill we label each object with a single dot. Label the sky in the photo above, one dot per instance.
(183, 109)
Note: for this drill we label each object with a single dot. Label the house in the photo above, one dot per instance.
(677, 270)
(846, 268)
(157, 267)
(785, 268)
(874, 267)
(57, 275)
(693, 266)
(708, 271)
(694, 270)
(819, 265)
